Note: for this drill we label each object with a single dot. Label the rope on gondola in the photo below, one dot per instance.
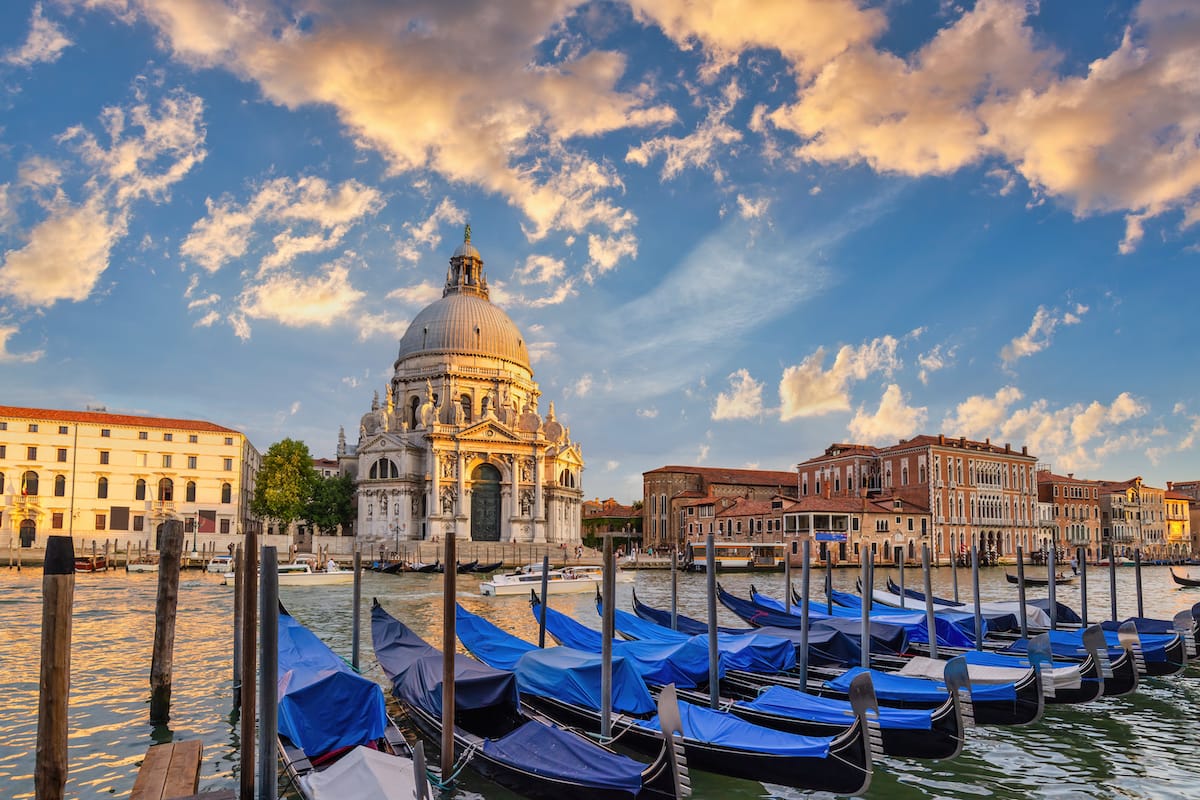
(459, 766)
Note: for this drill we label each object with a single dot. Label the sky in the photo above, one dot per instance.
(732, 233)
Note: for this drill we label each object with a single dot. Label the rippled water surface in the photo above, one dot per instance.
(1143, 746)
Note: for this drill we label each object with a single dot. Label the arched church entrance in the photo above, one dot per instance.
(485, 504)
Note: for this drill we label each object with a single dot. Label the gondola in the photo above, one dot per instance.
(565, 682)
(335, 737)
(492, 567)
(1059, 579)
(467, 567)
(1017, 703)
(434, 567)
(1184, 580)
(501, 741)
(909, 733)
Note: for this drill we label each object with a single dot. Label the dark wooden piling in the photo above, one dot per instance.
(356, 613)
(249, 663)
(58, 595)
(164, 622)
(449, 645)
(268, 699)
(237, 626)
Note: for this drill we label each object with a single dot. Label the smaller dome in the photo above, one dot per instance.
(466, 250)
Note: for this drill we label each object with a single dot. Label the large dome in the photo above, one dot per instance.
(464, 324)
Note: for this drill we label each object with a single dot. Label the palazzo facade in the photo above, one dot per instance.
(458, 447)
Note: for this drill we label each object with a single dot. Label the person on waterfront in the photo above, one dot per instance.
(1074, 566)
(331, 566)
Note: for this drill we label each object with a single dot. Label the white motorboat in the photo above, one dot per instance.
(567, 580)
(220, 564)
(143, 564)
(302, 574)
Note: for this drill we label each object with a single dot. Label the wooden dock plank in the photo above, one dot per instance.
(150, 777)
(169, 770)
(183, 776)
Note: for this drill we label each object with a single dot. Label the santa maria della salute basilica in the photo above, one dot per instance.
(458, 446)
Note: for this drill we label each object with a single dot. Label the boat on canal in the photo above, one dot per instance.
(303, 574)
(335, 736)
(567, 580)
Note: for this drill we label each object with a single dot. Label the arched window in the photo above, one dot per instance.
(226, 493)
(190, 492)
(139, 490)
(29, 483)
(413, 405)
(166, 490)
(102, 488)
(60, 485)
(483, 407)
(466, 407)
(384, 468)
(566, 478)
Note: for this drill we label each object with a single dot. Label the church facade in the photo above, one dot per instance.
(458, 446)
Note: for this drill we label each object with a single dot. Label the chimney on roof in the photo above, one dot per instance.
(962, 441)
(1024, 449)
(941, 438)
(1007, 447)
(988, 440)
(1071, 475)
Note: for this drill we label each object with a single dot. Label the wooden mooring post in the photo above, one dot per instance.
(249, 663)
(54, 682)
(164, 622)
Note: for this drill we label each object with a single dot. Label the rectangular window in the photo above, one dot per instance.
(105, 433)
(33, 428)
(31, 453)
(167, 460)
(3, 426)
(62, 454)
(229, 465)
(139, 522)
(167, 437)
(101, 521)
(229, 440)
(193, 438)
(191, 462)
(3, 451)
(189, 524)
(224, 526)
(143, 434)
(62, 428)
(56, 520)
(103, 456)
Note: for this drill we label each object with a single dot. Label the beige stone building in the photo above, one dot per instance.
(1179, 523)
(95, 475)
(1133, 516)
(667, 492)
(459, 446)
(974, 492)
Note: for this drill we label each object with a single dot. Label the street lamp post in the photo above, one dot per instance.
(195, 531)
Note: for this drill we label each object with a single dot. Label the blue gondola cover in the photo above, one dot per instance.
(564, 755)
(889, 686)
(323, 703)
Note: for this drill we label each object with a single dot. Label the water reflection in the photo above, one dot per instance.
(1141, 746)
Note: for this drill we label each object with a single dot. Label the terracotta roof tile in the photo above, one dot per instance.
(104, 418)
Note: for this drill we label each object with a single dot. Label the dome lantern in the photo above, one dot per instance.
(466, 270)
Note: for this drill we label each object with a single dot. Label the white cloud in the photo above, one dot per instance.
(606, 251)
(581, 387)
(7, 357)
(314, 216)
(934, 360)
(208, 320)
(697, 149)
(742, 401)
(426, 235)
(612, 465)
(148, 151)
(435, 88)
(894, 419)
(540, 269)
(808, 390)
(45, 42)
(752, 209)
(647, 413)
(297, 301)
(702, 453)
(1074, 437)
(372, 325)
(1040, 332)
(1176, 444)
(422, 294)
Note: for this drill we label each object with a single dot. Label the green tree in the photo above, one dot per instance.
(285, 483)
(332, 504)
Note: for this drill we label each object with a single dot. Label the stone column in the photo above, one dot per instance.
(462, 529)
(539, 513)
(433, 504)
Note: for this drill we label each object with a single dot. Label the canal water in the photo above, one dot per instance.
(1143, 746)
